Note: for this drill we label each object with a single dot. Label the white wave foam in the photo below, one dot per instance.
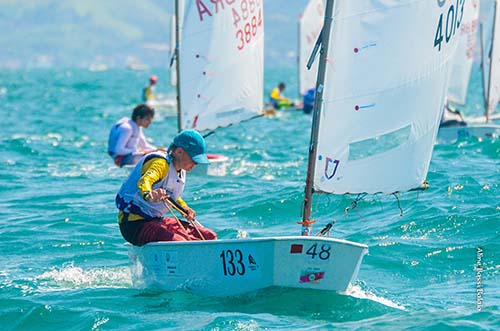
(357, 292)
(70, 277)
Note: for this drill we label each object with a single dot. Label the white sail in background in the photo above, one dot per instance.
(173, 64)
(490, 45)
(464, 56)
(385, 85)
(173, 42)
(221, 63)
(310, 24)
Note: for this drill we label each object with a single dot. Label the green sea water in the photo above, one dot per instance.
(64, 264)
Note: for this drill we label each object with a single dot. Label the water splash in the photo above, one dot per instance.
(70, 277)
(357, 292)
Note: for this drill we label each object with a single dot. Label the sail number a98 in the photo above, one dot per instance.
(446, 28)
(232, 262)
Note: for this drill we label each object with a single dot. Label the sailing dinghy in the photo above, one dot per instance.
(361, 142)
(453, 125)
(310, 24)
(220, 65)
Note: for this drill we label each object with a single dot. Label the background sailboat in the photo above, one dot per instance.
(364, 89)
(453, 124)
(310, 24)
(490, 54)
(220, 66)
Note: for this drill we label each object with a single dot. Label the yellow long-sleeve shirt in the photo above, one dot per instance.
(152, 171)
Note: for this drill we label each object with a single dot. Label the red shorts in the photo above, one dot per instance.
(163, 229)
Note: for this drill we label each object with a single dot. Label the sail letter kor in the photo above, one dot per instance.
(385, 86)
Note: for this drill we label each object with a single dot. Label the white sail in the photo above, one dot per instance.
(310, 24)
(385, 84)
(464, 55)
(173, 64)
(491, 53)
(221, 63)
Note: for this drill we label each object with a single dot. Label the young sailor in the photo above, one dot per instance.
(148, 93)
(157, 177)
(277, 99)
(126, 143)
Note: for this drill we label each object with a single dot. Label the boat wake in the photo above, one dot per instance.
(355, 291)
(70, 277)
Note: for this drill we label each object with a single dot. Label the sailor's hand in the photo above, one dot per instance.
(191, 214)
(156, 195)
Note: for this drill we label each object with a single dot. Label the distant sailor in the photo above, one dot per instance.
(309, 101)
(142, 199)
(127, 144)
(148, 93)
(277, 99)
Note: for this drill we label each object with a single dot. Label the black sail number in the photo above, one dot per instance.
(232, 262)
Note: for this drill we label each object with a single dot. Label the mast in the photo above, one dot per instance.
(177, 43)
(318, 99)
(487, 95)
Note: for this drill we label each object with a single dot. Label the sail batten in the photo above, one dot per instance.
(385, 83)
(221, 67)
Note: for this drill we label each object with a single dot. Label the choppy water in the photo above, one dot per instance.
(64, 266)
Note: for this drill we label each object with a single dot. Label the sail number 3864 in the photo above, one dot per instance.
(446, 29)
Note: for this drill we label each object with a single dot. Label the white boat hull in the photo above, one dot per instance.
(167, 107)
(233, 267)
(217, 166)
(449, 135)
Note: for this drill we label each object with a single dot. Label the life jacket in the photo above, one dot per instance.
(114, 135)
(129, 199)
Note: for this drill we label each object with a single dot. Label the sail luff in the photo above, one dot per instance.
(307, 204)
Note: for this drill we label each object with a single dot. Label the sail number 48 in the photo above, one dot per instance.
(232, 262)
(453, 20)
(323, 253)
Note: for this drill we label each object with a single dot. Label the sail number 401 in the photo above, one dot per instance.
(446, 30)
(232, 262)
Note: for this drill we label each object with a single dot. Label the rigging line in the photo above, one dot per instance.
(326, 229)
(169, 204)
(399, 203)
(354, 203)
(174, 216)
(208, 134)
(172, 59)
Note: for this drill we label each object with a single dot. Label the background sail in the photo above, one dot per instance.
(464, 55)
(385, 85)
(173, 64)
(221, 63)
(491, 53)
(310, 24)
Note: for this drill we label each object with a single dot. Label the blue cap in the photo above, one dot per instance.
(194, 144)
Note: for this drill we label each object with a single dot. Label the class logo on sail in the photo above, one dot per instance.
(331, 167)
